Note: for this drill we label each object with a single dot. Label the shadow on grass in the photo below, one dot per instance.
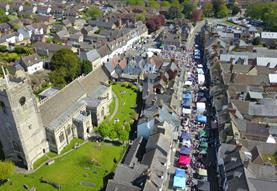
(105, 180)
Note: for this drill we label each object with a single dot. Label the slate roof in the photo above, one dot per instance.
(104, 51)
(31, 59)
(233, 171)
(70, 94)
(91, 55)
(159, 141)
(131, 154)
(120, 186)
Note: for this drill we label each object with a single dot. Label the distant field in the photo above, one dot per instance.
(90, 163)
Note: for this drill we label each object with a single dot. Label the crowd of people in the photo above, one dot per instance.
(193, 137)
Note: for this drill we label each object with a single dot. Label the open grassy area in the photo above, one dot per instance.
(127, 101)
(90, 163)
(52, 154)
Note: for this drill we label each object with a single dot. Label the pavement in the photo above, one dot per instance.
(116, 106)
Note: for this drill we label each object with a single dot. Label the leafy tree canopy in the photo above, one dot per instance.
(3, 17)
(165, 4)
(188, 8)
(136, 2)
(173, 12)
(153, 4)
(266, 12)
(93, 12)
(208, 9)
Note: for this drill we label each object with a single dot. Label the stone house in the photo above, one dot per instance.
(93, 56)
(31, 64)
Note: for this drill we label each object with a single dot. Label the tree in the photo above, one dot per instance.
(86, 67)
(123, 135)
(153, 4)
(57, 78)
(188, 8)
(218, 6)
(104, 129)
(155, 22)
(173, 12)
(257, 41)
(140, 17)
(165, 4)
(23, 50)
(223, 11)
(3, 17)
(235, 9)
(196, 15)
(67, 63)
(151, 25)
(136, 2)
(266, 12)
(177, 4)
(3, 48)
(93, 12)
(6, 170)
(208, 9)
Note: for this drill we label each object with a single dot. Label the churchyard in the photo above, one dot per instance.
(83, 169)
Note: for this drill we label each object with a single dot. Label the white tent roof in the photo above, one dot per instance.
(200, 71)
(186, 111)
(271, 139)
(188, 83)
(201, 79)
(272, 78)
(201, 107)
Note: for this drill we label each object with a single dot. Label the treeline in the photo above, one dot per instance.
(267, 12)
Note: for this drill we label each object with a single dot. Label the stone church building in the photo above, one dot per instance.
(29, 129)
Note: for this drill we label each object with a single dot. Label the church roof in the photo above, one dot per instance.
(56, 105)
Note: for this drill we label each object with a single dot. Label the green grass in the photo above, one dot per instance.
(71, 145)
(229, 23)
(52, 154)
(127, 101)
(270, 158)
(72, 169)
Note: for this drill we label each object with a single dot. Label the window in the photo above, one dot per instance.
(22, 101)
(68, 131)
(2, 107)
(61, 137)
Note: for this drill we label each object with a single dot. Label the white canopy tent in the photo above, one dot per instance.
(201, 107)
(186, 111)
(188, 83)
(201, 79)
(271, 139)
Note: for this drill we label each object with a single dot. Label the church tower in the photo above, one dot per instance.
(22, 135)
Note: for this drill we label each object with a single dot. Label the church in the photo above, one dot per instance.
(29, 128)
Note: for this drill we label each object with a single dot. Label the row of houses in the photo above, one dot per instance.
(243, 88)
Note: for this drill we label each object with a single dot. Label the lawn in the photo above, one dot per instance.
(86, 164)
(126, 100)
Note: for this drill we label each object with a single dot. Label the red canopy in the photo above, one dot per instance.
(184, 160)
